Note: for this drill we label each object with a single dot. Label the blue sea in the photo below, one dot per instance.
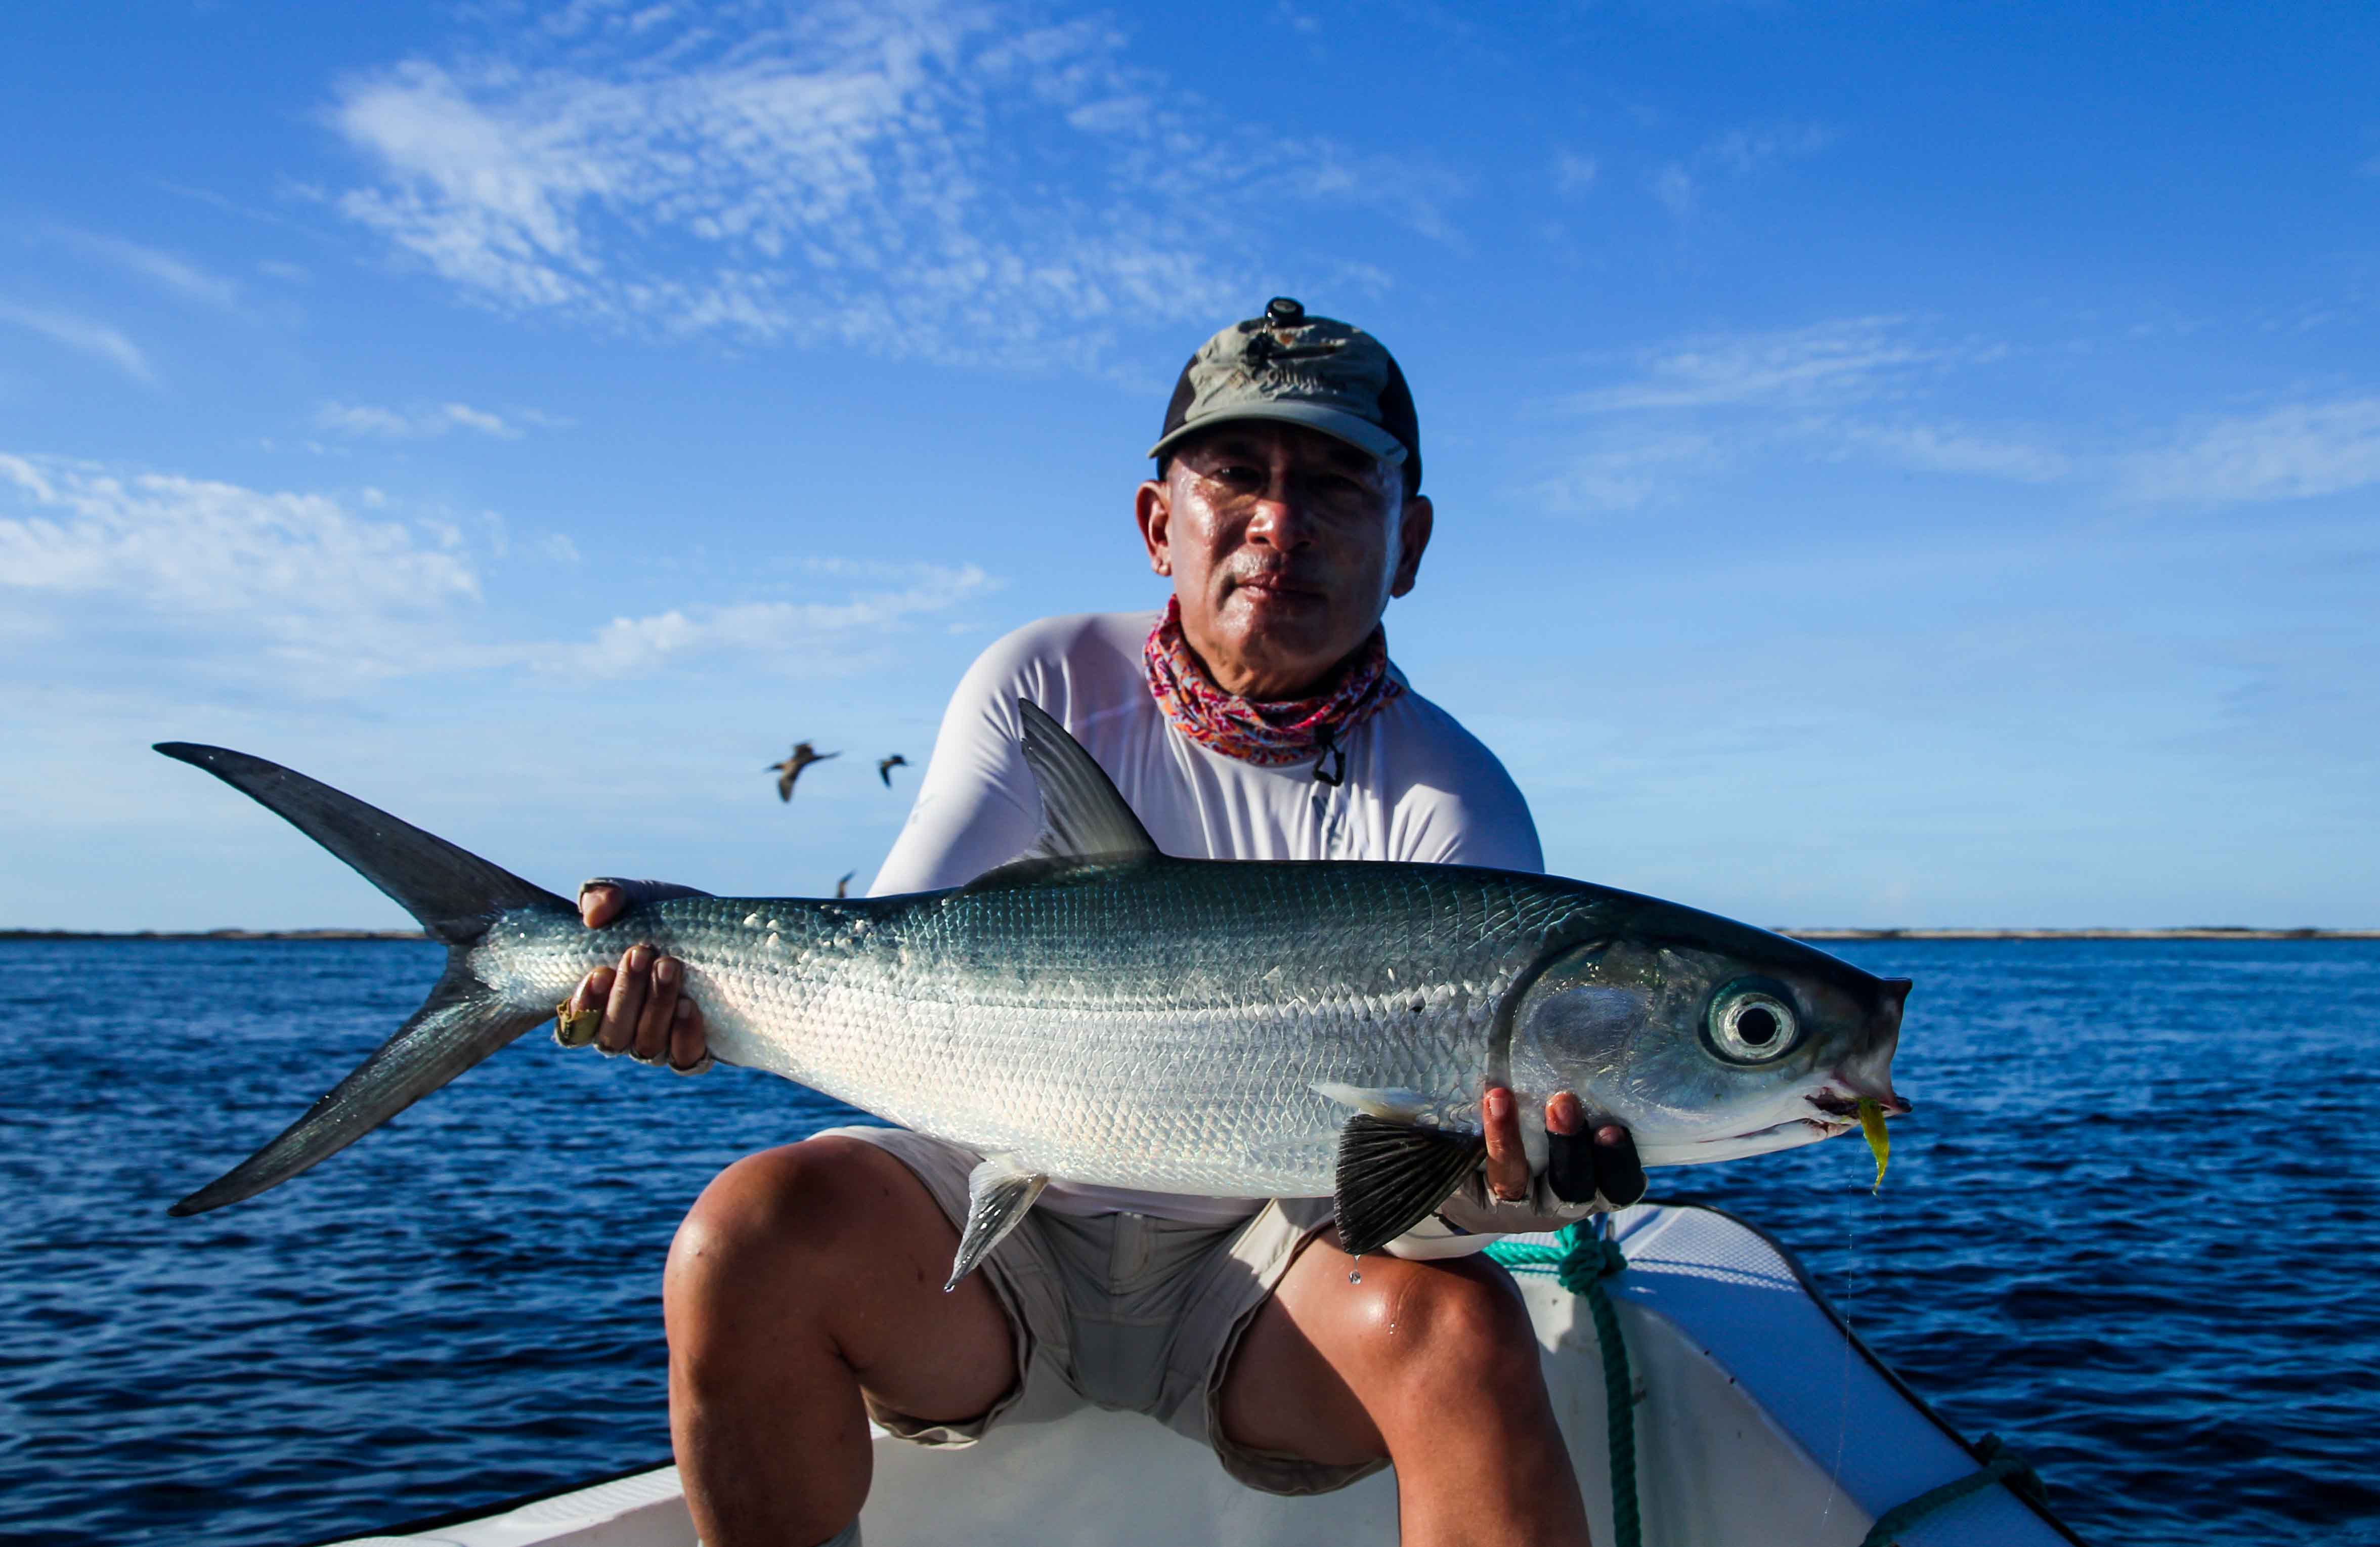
(2130, 1228)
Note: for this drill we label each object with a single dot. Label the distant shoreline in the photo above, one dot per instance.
(2205, 932)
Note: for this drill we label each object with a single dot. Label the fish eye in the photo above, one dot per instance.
(1753, 1020)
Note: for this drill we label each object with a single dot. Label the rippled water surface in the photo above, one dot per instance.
(2130, 1229)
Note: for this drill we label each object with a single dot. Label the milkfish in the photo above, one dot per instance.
(1104, 1014)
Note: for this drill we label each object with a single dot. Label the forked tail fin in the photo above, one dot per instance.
(454, 894)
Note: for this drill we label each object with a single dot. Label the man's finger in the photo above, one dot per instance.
(690, 1051)
(627, 1000)
(1508, 1162)
(660, 1004)
(586, 999)
(599, 905)
(1618, 1175)
(1570, 1152)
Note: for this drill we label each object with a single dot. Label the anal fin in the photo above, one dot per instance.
(1393, 1175)
(1000, 1192)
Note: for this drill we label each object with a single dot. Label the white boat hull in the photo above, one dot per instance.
(1759, 1421)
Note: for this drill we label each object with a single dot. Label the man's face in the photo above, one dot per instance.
(1284, 545)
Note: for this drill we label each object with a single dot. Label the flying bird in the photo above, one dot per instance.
(791, 769)
(843, 887)
(884, 767)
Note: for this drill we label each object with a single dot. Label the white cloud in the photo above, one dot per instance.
(83, 335)
(153, 578)
(878, 176)
(788, 632)
(365, 419)
(2294, 452)
(1615, 480)
(1574, 173)
(1745, 150)
(1950, 449)
(1826, 362)
(1829, 391)
(175, 275)
(322, 592)
(1674, 187)
(290, 273)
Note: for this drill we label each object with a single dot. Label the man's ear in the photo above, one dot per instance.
(1152, 507)
(1413, 528)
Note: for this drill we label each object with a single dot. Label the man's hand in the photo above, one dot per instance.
(1585, 1171)
(645, 1015)
(1580, 1166)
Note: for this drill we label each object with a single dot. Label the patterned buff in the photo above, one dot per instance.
(1269, 735)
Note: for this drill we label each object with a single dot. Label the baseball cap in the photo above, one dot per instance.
(1299, 369)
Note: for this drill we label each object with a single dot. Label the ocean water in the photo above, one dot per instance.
(2130, 1228)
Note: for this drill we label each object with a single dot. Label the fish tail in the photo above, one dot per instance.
(456, 895)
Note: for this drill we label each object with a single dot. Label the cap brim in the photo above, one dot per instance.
(1361, 434)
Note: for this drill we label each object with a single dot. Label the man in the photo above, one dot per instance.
(1256, 718)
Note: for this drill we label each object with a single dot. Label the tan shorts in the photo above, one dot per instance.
(1123, 1311)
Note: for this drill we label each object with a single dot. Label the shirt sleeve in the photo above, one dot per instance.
(976, 806)
(1463, 809)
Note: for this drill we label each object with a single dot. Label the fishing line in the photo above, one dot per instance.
(1849, 1203)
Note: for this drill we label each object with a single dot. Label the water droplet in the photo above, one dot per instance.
(1355, 1275)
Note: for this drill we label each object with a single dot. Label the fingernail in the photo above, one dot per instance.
(1610, 1134)
(1562, 1114)
(1499, 1105)
(665, 969)
(637, 958)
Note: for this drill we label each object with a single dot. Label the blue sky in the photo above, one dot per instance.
(1896, 464)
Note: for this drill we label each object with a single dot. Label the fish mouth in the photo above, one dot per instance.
(1838, 1113)
(1814, 1127)
(1845, 1106)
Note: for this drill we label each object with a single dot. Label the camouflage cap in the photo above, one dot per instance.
(1299, 369)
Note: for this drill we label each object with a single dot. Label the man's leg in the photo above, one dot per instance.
(1431, 1364)
(800, 1275)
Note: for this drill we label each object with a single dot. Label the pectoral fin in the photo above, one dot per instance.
(1000, 1191)
(1393, 1175)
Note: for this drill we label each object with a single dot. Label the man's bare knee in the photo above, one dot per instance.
(1462, 1323)
(790, 1234)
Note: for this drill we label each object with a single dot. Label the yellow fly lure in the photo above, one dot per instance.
(1878, 1140)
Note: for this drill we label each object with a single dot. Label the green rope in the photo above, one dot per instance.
(1580, 1263)
(1999, 1464)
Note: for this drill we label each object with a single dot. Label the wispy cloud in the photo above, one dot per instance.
(1949, 448)
(83, 335)
(1864, 387)
(1619, 478)
(364, 419)
(1745, 150)
(177, 276)
(790, 633)
(1827, 362)
(1678, 185)
(2294, 452)
(877, 177)
(1574, 173)
(322, 591)
(147, 575)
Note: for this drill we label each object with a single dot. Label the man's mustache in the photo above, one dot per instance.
(1277, 578)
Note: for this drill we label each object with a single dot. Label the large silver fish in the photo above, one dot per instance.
(1101, 1013)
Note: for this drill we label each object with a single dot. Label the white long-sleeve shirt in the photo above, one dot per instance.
(1418, 786)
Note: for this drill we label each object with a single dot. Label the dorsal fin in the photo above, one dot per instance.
(1082, 815)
